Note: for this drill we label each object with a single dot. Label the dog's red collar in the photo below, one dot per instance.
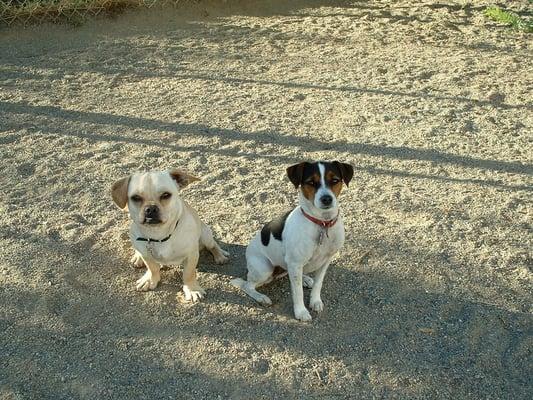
(324, 224)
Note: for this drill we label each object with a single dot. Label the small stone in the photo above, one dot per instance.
(261, 366)
(496, 97)
(70, 225)
(427, 331)
(469, 126)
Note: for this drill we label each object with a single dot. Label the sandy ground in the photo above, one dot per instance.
(431, 296)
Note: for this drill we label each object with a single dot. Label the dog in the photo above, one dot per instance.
(303, 240)
(165, 230)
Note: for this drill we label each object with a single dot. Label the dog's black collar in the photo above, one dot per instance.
(149, 240)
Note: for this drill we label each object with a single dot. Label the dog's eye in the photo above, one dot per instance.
(136, 198)
(165, 196)
(335, 181)
(311, 183)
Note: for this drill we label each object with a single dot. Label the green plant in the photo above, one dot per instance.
(509, 18)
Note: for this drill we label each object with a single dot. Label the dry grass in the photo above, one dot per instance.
(72, 12)
(75, 12)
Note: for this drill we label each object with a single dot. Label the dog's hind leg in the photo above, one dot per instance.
(207, 241)
(259, 273)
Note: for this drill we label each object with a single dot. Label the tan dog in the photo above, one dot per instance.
(165, 230)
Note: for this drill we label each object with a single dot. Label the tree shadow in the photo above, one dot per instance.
(402, 153)
(356, 89)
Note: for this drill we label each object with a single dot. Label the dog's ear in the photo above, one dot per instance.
(295, 172)
(182, 178)
(119, 192)
(346, 171)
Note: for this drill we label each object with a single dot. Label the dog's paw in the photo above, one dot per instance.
(263, 299)
(221, 257)
(302, 315)
(147, 282)
(308, 282)
(137, 261)
(317, 305)
(193, 294)
(238, 282)
(225, 253)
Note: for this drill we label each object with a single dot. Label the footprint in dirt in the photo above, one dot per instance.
(26, 169)
(256, 198)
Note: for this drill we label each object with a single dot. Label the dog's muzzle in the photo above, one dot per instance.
(326, 201)
(151, 215)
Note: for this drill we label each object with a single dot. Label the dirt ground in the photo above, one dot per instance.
(431, 296)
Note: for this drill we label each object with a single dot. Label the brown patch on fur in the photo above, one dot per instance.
(308, 190)
(335, 187)
(182, 178)
(119, 192)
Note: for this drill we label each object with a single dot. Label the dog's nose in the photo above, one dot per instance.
(326, 200)
(151, 211)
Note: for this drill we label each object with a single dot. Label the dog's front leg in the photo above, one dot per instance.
(137, 260)
(191, 288)
(316, 302)
(295, 277)
(151, 277)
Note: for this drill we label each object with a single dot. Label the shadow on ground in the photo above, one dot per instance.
(98, 120)
(84, 343)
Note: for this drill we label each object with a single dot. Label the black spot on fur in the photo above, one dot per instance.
(274, 227)
(345, 171)
(299, 173)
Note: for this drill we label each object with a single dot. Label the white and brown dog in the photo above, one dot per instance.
(303, 240)
(165, 230)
